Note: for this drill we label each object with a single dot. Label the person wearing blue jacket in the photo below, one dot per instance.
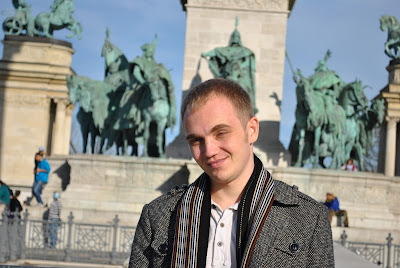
(42, 176)
(332, 202)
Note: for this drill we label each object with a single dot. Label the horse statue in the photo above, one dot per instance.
(354, 102)
(94, 104)
(310, 117)
(151, 102)
(392, 24)
(60, 17)
(367, 123)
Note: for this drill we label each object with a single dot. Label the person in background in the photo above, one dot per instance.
(332, 202)
(350, 165)
(54, 219)
(15, 205)
(4, 194)
(42, 153)
(42, 175)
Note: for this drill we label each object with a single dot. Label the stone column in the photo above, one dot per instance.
(57, 143)
(262, 27)
(67, 127)
(33, 72)
(390, 157)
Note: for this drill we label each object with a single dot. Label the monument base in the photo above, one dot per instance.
(98, 187)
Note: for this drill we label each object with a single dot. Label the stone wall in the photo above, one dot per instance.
(98, 187)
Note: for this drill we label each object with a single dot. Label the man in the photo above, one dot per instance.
(42, 153)
(234, 214)
(54, 219)
(15, 205)
(42, 175)
(332, 202)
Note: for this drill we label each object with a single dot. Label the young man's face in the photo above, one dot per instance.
(39, 158)
(219, 142)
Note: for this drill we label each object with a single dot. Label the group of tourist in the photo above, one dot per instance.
(9, 199)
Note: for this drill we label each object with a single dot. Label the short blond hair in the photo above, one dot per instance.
(229, 89)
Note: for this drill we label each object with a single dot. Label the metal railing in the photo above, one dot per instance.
(382, 254)
(64, 241)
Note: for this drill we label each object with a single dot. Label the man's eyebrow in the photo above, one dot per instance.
(214, 129)
(191, 136)
(220, 126)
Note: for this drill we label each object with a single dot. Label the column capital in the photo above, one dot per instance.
(62, 101)
(393, 119)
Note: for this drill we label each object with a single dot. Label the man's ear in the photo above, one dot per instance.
(253, 127)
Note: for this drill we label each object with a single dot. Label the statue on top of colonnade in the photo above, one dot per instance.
(234, 62)
(45, 23)
(392, 45)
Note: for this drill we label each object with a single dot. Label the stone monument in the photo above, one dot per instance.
(262, 30)
(34, 103)
(389, 147)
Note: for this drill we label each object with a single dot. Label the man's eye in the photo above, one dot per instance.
(194, 141)
(221, 133)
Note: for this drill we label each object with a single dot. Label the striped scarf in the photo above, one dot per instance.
(193, 219)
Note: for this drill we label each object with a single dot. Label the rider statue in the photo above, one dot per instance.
(44, 24)
(146, 70)
(155, 81)
(234, 62)
(392, 44)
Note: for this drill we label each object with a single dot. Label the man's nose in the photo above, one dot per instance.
(210, 147)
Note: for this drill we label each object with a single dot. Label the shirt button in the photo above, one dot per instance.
(220, 244)
(222, 224)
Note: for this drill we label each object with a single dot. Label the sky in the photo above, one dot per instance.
(349, 28)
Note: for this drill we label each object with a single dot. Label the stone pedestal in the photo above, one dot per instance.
(34, 103)
(389, 162)
(262, 25)
(96, 187)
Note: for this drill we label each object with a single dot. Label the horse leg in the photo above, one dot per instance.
(46, 30)
(102, 142)
(73, 28)
(317, 137)
(160, 137)
(359, 156)
(301, 148)
(85, 135)
(93, 140)
(146, 134)
(125, 142)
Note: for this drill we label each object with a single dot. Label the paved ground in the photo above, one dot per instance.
(348, 259)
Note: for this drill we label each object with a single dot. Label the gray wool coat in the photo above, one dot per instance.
(296, 233)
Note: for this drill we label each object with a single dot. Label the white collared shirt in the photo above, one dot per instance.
(221, 251)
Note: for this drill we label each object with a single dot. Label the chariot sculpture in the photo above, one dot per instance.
(45, 23)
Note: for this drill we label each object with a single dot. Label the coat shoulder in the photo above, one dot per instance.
(288, 194)
(168, 199)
